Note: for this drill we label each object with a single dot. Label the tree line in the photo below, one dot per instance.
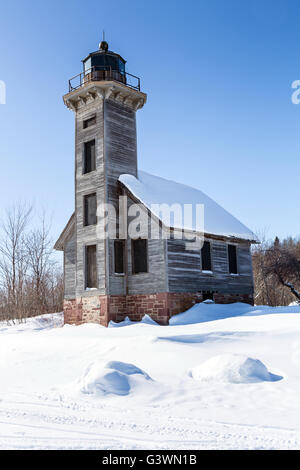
(31, 280)
(276, 268)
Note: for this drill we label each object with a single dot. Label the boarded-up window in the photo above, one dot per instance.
(206, 256)
(90, 209)
(139, 256)
(91, 266)
(232, 259)
(89, 163)
(89, 122)
(119, 246)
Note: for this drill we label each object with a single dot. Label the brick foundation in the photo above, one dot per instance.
(104, 308)
(231, 298)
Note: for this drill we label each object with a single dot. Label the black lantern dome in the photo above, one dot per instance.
(104, 60)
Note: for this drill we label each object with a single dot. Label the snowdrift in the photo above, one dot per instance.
(233, 368)
(205, 312)
(147, 320)
(117, 378)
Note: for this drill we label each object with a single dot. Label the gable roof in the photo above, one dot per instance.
(152, 190)
(59, 245)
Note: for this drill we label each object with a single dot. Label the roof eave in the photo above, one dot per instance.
(60, 243)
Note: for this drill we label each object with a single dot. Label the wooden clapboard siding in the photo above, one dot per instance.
(69, 267)
(120, 157)
(155, 280)
(93, 182)
(120, 145)
(185, 275)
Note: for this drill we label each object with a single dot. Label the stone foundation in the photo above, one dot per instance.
(231, 298)
(160, 307)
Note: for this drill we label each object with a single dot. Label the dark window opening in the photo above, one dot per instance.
(91, 266)
(206, 256)
(90, 209)
(207, 296)
(232, 258)
(139, 256)
(89, 157)
(119, 246)
(89, 122)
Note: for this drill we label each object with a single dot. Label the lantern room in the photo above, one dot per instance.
(104, 65)
(104, 60)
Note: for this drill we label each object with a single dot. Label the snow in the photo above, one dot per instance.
(115, 377)
(145, 320)
(226, 377)
(209, 311)
(152, 191)
(233, 368)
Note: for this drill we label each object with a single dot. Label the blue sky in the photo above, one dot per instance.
(219, 115)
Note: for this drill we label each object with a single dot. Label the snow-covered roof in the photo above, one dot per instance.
(152, 190)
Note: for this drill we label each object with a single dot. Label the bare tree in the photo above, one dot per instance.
(39, 248)
(284, 263)
(30, 279)
(276, 267)
(13, 260)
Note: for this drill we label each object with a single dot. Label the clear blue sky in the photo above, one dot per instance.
(219, 116)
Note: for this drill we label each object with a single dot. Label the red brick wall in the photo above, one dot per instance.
(72, 311)
(180, 302)
(230, 298)
(161, 306)
(155, 305)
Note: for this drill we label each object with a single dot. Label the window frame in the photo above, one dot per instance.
(207, 271)
(85, 122)
(132, 256)
(86, 287)
(122, 242)
(85, 211)
(84, 160)
(236, 259)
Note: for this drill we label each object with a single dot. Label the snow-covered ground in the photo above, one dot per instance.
(218, 377)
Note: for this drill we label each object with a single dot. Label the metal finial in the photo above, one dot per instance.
(103, 46)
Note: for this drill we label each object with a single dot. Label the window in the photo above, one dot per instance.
(90, 209)
(89, 122)
(89, 163)
(208, 295)
(139, 256)
(206, 256)
(90, 266)
(119, 246)
(232, 259)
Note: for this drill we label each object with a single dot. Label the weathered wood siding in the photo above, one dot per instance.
(70, 267)
(86, 184)
(155, 280)
(185, 275)
(120, 157)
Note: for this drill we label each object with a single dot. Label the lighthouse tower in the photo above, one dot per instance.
(104, 98)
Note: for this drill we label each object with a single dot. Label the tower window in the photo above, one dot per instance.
(119, 246)
(90, 266)
(89, 122)
(206, 256)
(139, 256)
(89, 163)
(232, 259)
(90, 209)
